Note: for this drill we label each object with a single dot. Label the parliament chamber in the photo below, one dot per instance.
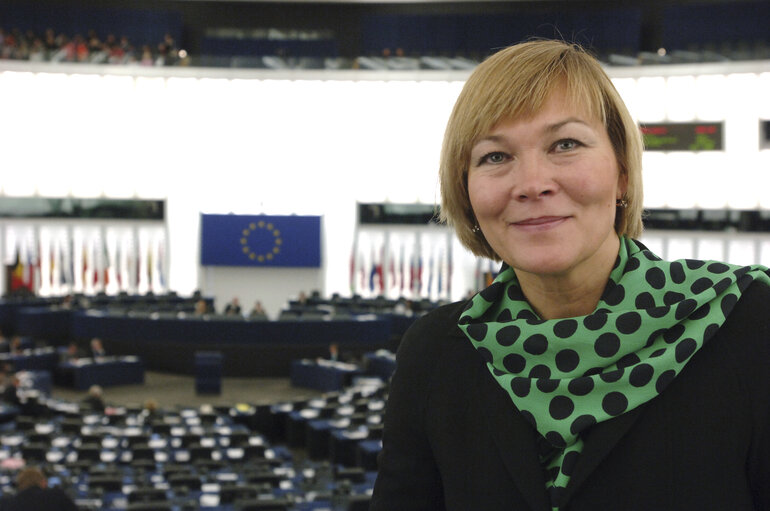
(262, 150)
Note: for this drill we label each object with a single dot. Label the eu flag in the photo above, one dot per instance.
(260, 240)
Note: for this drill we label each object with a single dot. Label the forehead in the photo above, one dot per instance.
(558, 106)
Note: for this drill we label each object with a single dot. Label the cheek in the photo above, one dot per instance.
(482, 197)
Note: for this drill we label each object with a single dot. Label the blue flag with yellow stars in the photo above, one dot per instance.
(260, 240)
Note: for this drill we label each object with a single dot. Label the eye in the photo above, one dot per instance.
(495, 158)
(566, 144)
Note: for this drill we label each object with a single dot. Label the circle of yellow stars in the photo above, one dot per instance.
(277, 241)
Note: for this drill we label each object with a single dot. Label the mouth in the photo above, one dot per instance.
(541, 222)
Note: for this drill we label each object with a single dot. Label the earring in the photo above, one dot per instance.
(476, 229)
(621, 203)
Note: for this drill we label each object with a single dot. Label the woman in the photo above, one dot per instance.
(590, 375)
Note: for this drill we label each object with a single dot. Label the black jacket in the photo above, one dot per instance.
(38, 499)
(453, 439)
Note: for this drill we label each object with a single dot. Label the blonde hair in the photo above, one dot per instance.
(515, 83)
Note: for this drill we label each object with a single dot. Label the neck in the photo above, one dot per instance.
(572, 293)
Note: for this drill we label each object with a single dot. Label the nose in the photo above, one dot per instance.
(533, 180)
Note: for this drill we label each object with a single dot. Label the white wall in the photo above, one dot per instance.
(250, 142)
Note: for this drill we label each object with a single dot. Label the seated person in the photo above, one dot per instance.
(33, 494)
(16, 347)
(201, 307)
(94, 401)
(334, 351)
(5, 344)
(97, 349)
(257, 311)
(10, 395)
(72, 353)
(233, 308)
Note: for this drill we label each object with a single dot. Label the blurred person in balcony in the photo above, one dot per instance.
(146, 58)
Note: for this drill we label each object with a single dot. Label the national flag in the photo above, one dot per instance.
(150, 267)
(372, 275)
(379, 270)
(431, 262)
(352, 276)
(53, 277)
(361, 272)
(261, 240)
(161, 263)
(17, 275)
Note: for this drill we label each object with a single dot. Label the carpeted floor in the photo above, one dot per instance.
(172, 390)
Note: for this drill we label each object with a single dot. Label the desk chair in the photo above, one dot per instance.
(149, 506)
(142, 452)
(89, 452)
(34, 452)
(229, 493)
(148, 495)
(105, 483)
(263, 505)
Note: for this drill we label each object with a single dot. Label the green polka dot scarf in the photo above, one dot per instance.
(565, 375)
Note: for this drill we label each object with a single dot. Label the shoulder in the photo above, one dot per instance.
(430, 331)
(747, 328)
(750, 318)
(426, 342)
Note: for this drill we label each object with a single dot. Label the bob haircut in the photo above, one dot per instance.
(515, 83)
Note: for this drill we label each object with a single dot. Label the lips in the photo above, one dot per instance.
(540, 221)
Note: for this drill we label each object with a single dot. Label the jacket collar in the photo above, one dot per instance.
(598, 442)
(514, 438)
(516, 442)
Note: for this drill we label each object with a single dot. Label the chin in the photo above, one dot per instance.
(537, 265)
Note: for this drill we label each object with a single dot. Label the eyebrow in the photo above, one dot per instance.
(557, 126)
(551, 128)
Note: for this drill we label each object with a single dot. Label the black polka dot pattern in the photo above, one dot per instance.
(561, 407)
(477, 331)
(641, 375)
(567, 360)
(536, 344)
(493, 292)
(628, 322)
(565, 328)
(581, 386)
(595, 321)
(514, 363)
(547, 385)
(655, 278)
(607, 345)
(582, 423)
(507, 335)
(566, 375)
(615, 403)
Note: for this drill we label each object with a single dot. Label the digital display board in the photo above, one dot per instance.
(683, 136)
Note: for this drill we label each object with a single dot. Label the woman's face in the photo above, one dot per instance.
(544, 188)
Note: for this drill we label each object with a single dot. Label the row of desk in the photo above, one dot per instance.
(167, 343)
(79, 374)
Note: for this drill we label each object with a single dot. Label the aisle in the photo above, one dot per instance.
(171, 390)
